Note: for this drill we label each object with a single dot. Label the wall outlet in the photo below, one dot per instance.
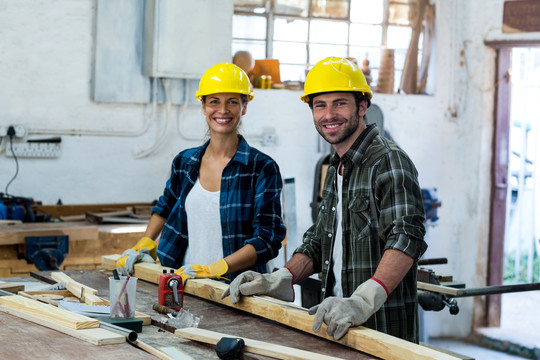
(20, 131)
(269, 137)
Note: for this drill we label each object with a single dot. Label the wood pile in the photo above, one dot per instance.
(385, 82)
(87, 241)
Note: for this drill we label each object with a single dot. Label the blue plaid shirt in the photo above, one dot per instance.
(250, 206)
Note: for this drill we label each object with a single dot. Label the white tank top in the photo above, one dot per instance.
(205, 244)
(337, 254)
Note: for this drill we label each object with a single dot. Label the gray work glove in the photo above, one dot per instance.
(277, 284)
(132, 258)
(342, 313)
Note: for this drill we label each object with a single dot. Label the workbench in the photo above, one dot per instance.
(87, 243)
(26, 337)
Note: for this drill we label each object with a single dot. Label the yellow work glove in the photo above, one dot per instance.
(144, 251)
(214, 270)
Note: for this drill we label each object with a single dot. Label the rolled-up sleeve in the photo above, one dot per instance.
(402, 216)
(268, 228)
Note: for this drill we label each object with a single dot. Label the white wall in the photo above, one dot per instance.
(46, 72)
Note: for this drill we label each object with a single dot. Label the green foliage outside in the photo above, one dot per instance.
(509, 269)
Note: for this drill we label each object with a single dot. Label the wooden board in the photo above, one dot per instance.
(437, 288)
(11, 287)
(16, 234)
(360, 338)
(253, 346)
(146, 319)
(96, 336)
(83, 292)
(81, 209)
(48, 312)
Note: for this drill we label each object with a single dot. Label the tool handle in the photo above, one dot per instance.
(115, 274)
(164, 309)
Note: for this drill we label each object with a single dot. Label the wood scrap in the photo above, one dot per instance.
(17, 234)
(360, 338)
(83, 292)
(437, 288)
(96, 336)
(48, 312)
(11, 287)
(252, 346)
(151, 350)
(409, 77)
(146, 319)
(175, 353)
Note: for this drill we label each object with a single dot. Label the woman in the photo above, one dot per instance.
(224, 189)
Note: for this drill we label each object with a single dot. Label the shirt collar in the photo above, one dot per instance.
(241, 155)
(358, 149)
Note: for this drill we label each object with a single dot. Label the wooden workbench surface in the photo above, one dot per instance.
(213, 316)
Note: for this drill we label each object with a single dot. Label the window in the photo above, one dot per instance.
(302, 32)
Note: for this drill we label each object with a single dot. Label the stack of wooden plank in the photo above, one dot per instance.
(40, 308)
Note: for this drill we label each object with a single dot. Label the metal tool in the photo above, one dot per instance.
(164, 310)
(46, 252)
(281, 303)
(435, 298)
(171, 290)
(129, 334)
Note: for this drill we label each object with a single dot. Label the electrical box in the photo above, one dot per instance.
(183, 38)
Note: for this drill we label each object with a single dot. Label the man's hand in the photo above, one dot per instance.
(277, 284)
(144, 251)
(215, 270)
(342, 313)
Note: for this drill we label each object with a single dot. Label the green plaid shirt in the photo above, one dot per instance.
(382, 209)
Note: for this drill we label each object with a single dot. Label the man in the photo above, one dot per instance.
(369, 233)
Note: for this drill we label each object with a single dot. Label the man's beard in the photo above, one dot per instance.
(348, 128)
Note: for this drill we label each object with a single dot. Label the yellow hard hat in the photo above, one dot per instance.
(224, 78)
(335, 74)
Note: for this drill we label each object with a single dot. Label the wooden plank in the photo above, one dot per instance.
(151, 350)
(521, 16)
(437, 288)
(360, 338)
(72, 285)
(16, 234)
(80, 209)
(11, 287)
(146, 319)
(252, 346)
(48, 312)
(83, 292)
(97, 218)
(96, 336)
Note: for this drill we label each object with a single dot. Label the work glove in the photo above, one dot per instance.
(214, 270)
(144, 251)
(342, 313)
(277, 285)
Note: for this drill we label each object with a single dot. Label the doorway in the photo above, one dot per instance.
(522, 229)
(515, 229)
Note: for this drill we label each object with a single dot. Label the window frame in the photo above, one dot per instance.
(270, 15)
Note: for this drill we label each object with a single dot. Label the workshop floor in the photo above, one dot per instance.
(465, 348)
(519, 316)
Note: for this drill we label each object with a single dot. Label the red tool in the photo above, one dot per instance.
(171, 290)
